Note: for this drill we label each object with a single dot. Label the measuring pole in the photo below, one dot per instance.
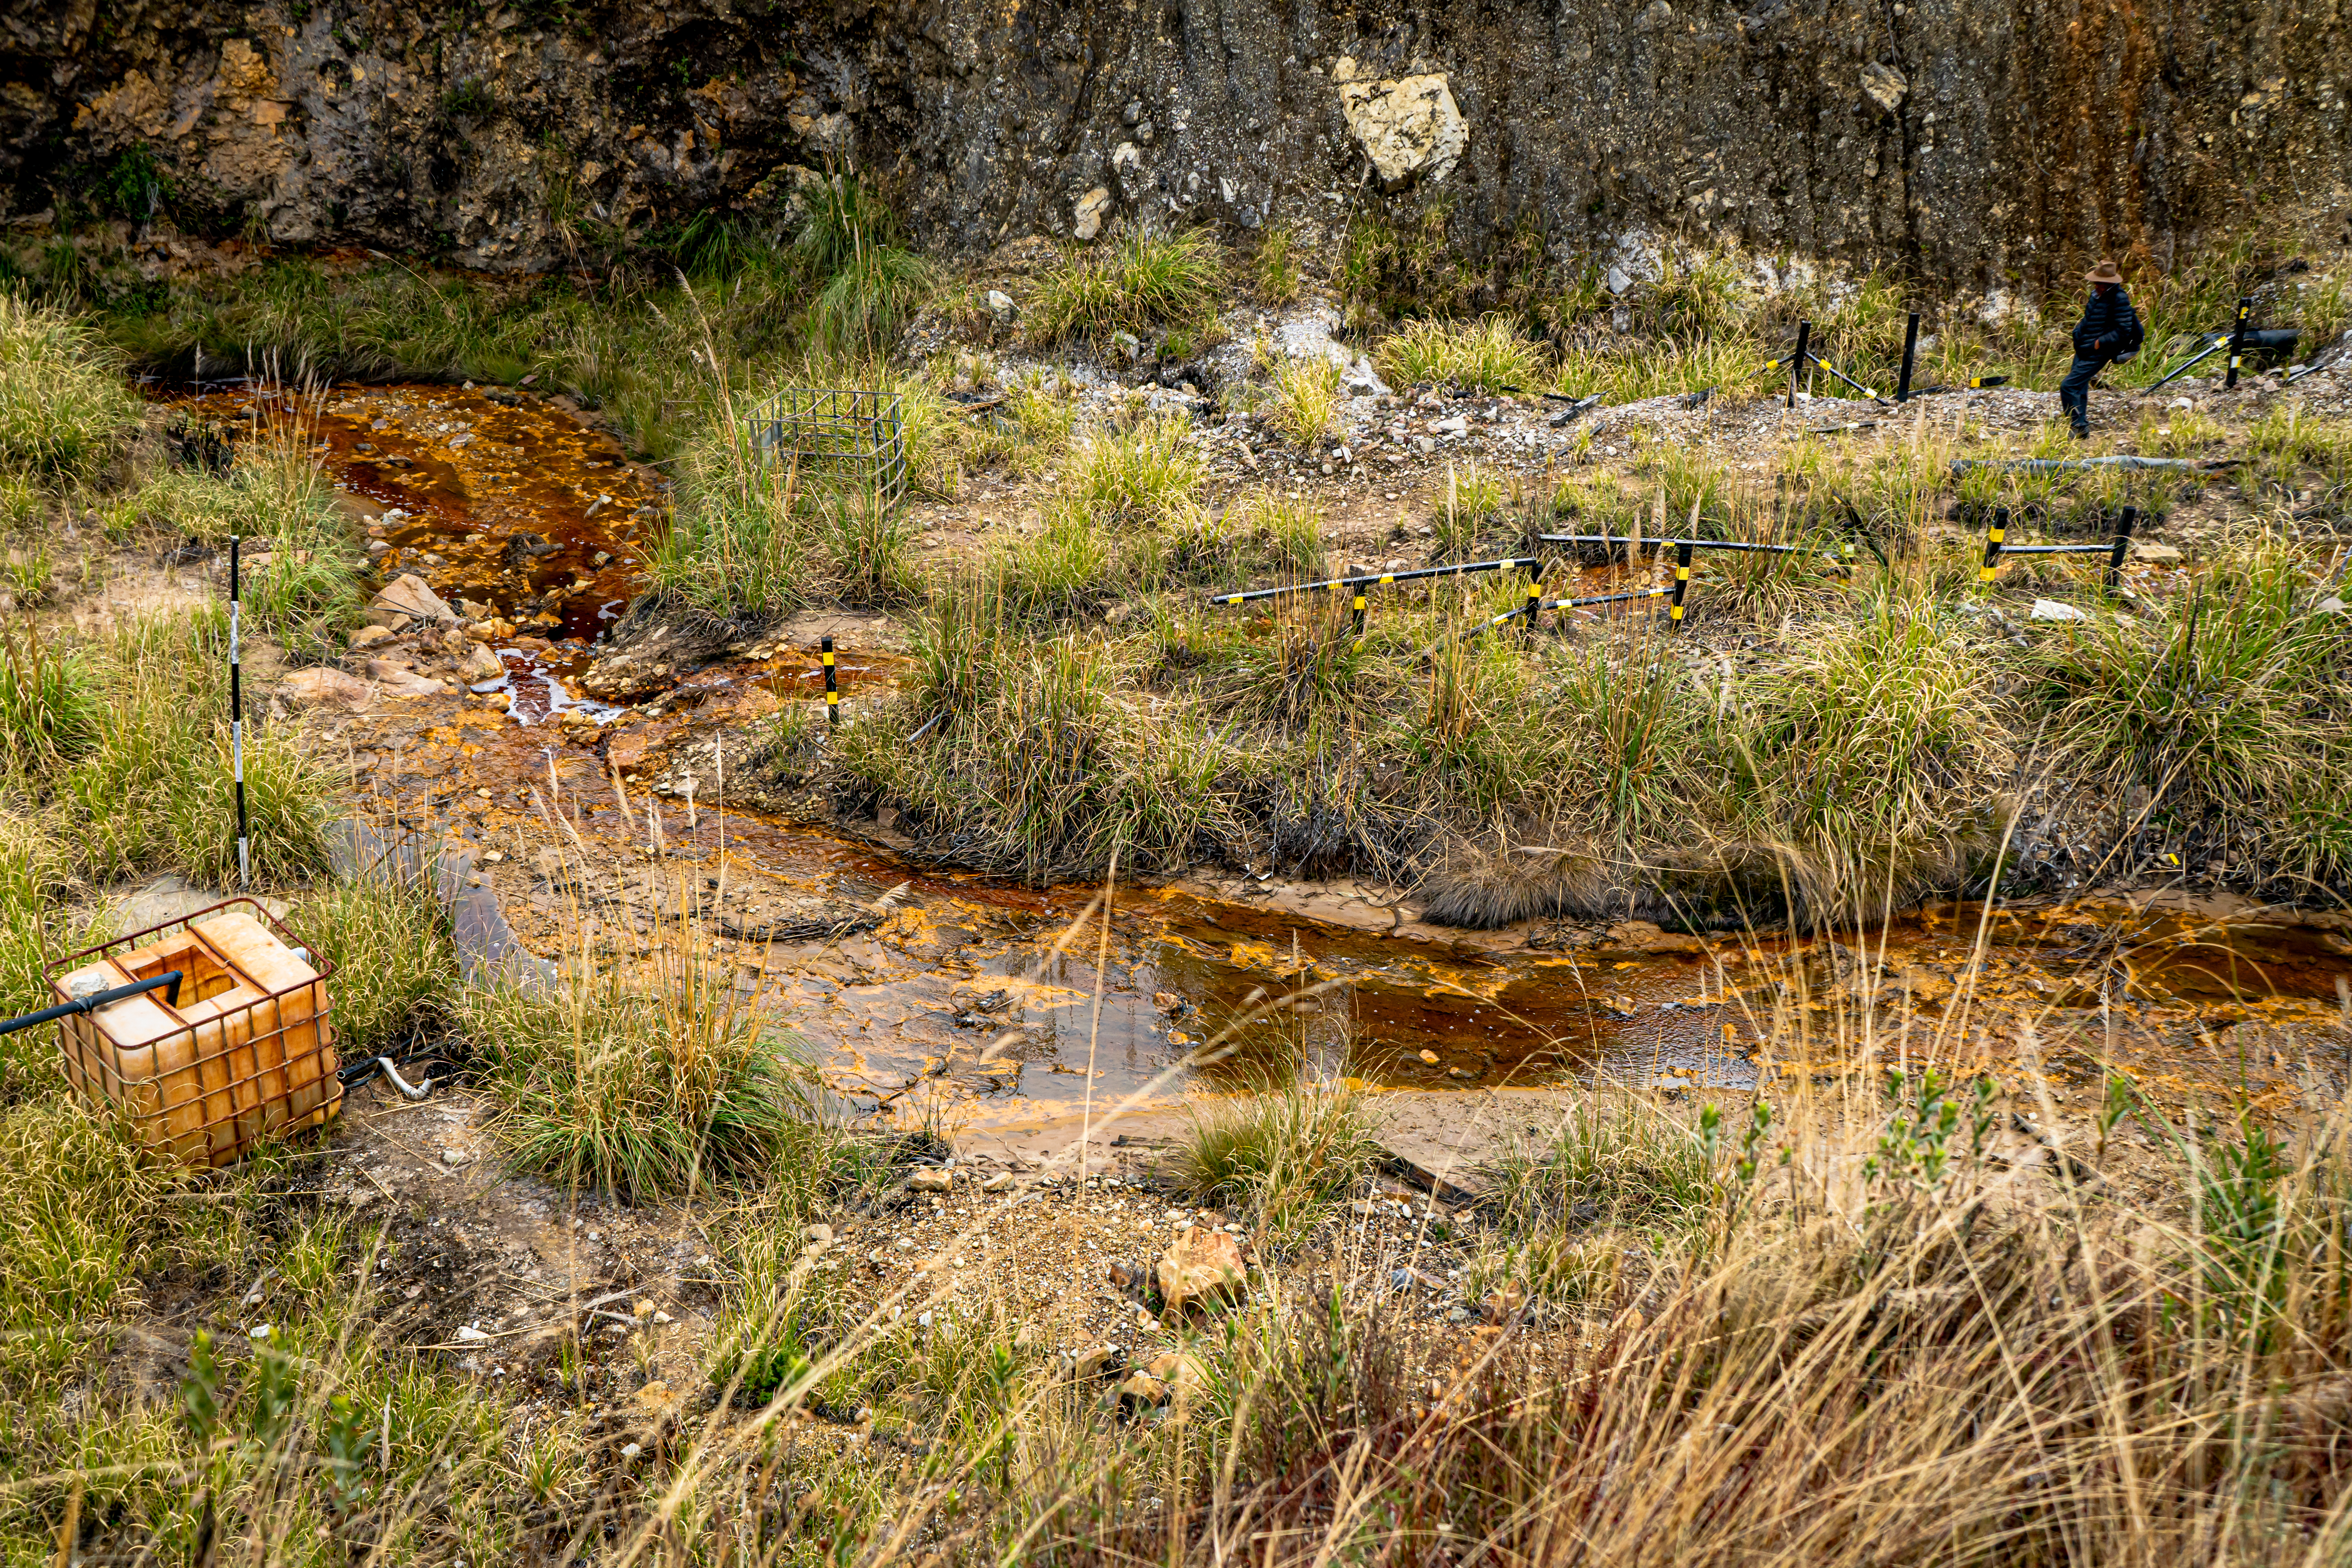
(1683, 561)
(1534, 603)
(2123, 544)
(832, 693)
(1359, 627)
(1910, 352)
(236, 719)
(2238, 338)
(1797, 366)
(1993, 537)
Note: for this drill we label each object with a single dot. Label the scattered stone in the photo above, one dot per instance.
(1001, 306)
(1202, 1267)
(2331, 605)
(1090, 210)
(522, 549)
(480, 664)
(2052, 610)
(1142, 1388)
(368, 637)
(322, 685)
(1095, 1362)
(999, 1183)
(1883, 86)
(399, 680)
(1645, 936)
(1429, 1057)
(2143, 549)
(453, 1157)
(469, 1334)
(929, 1179)
(409, 597)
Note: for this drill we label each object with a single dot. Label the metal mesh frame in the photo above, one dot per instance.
(846, 434)
(242, 1101)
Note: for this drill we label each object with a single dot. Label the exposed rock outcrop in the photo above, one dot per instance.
(1991, 142)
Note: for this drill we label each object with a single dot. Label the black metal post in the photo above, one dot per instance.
(1535, 603)
(1993, 537)
(236, 719)
(1358, 628)
(1683, 559)
(1910, 353)
(1797, 366)
(2115, 578)
(832, 693)
(2238, 338)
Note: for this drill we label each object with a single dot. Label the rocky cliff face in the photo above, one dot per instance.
(1985, 143)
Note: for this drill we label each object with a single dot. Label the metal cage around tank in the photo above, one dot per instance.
(847, 436)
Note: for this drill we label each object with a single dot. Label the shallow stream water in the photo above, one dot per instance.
(982, 992)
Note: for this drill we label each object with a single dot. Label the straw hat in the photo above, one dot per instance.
(2104, 272)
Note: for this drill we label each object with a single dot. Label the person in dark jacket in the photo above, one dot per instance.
(2109, 331)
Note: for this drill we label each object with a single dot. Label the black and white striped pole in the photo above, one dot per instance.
(236, 719)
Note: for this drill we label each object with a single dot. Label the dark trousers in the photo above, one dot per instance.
(2074, 391)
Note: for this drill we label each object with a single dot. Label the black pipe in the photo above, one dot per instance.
(1415, 574)
(168, 983)
(1910, 351)
(2115, 577)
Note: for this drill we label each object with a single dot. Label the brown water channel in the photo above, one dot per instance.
(2193, 1003)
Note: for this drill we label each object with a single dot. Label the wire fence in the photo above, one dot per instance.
(851, 436)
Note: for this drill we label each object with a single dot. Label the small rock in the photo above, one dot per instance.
(469, 1334)
(1455, 426)
(1142, 1388)
(999, 1183)
(480, 664)
(1095, 1361)
(399, 680)
(2143, 549)
(632, 1450)
(1203, 1267)
(525, 548)
(1429, 1058)
(1089, 215)
(1504, 1303)
(453, 1157)
(2331, 605)
(1001, 306)
(929, 1179)
(2052, 610)
(410, 597)
(321, 685)
(368, 637)
(819, 1236)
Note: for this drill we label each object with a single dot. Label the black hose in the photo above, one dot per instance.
(168, 983)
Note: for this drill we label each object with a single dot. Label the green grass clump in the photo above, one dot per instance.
(395, 966)
(1037, 767)
(1137, 283)
(2223, 703)
(65, 409)
(1283, 1154)
(641, 1092)
(1305, 399)
(122, 746)
(1486, 355)
(1871, 755)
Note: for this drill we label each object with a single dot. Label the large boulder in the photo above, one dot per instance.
(1409, 127)
(409, 598)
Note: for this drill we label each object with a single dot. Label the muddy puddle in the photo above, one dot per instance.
(924, 992)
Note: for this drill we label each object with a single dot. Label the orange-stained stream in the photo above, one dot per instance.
(2192, 1005)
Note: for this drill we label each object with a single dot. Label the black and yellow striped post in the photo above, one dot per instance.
(1796, 380)
(1993, 536)
(1360, 610)
(1681, 574)
(1535, 603)
(2115, 577)
(832, 692)
(2238, 338)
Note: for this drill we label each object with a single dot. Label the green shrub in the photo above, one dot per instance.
(1486, 355)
